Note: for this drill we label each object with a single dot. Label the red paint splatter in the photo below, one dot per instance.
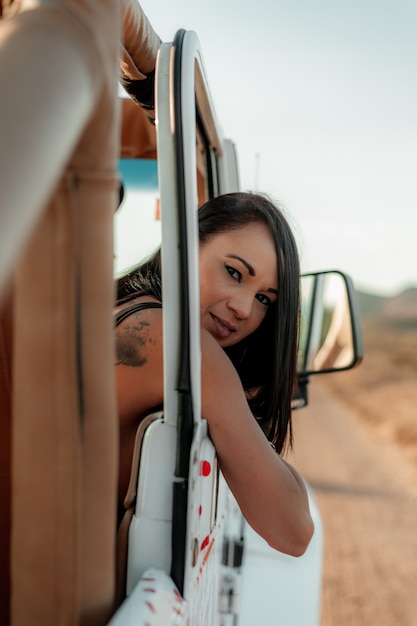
(200, 509)
(205, 468)
(205, 542)
(151, 606)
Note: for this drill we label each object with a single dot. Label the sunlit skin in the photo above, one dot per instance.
(238, 278)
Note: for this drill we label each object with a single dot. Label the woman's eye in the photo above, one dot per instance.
(234, 273)
(263, 299)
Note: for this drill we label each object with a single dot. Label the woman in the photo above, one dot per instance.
(249, 307)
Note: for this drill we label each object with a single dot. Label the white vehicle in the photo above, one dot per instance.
(225, 573)
(185, 555)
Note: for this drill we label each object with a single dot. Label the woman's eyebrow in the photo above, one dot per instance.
(250, 269)
(245, 263)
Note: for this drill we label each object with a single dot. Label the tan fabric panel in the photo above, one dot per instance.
(46, 429)
(100, 420)
(6, 343)
(65, 422)
(65, 428)
(64, 412)
(51, 63)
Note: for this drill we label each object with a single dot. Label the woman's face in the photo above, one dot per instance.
(238, 282)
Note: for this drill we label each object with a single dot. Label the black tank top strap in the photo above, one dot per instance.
(133, 308)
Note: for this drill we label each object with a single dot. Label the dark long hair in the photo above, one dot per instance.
(266, 359)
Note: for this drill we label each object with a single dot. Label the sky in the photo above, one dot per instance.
(320, 98)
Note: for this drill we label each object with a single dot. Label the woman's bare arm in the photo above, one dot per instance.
(271, 494)
(139, 380)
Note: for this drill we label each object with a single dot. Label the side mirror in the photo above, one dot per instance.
(330, 330)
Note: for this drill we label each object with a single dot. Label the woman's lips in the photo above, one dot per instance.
(223, 328)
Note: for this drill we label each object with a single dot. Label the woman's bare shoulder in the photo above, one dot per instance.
(139, 334)
(139, 362)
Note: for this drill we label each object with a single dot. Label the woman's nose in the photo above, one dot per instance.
(241, 306)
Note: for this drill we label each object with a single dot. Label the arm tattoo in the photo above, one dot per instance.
(132, 340)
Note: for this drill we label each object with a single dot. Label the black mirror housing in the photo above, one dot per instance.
(330, 329)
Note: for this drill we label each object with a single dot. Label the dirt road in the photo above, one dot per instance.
(367, 495)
